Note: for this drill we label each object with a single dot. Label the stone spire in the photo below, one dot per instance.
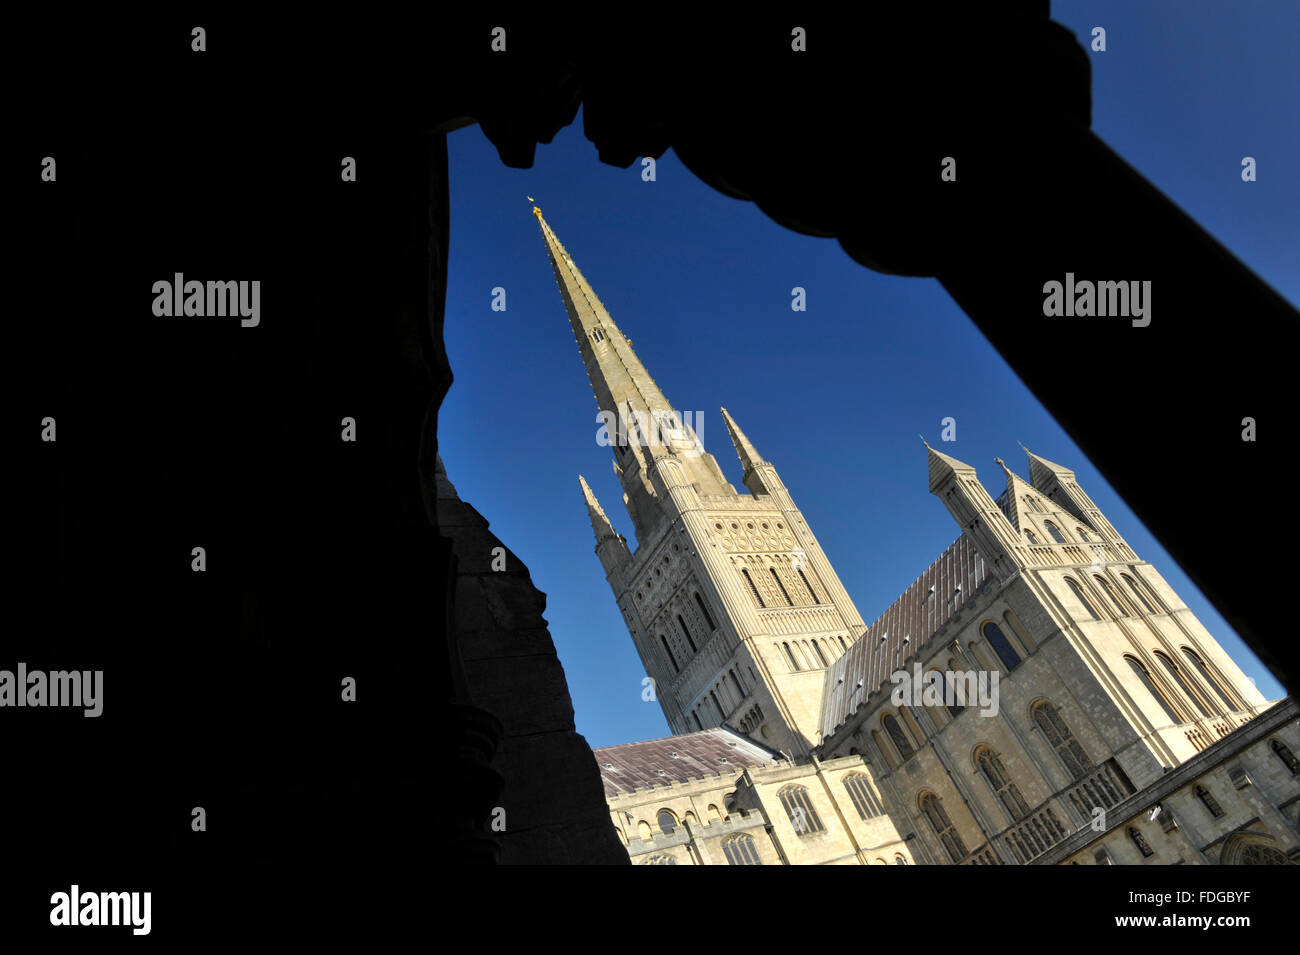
(618, 379)
(600, 523)
(641, 425)
(749, 457)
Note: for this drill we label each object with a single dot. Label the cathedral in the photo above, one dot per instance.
(1038, 695)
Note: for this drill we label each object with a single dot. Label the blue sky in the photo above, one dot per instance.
(701, 284)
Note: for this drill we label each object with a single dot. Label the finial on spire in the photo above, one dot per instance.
(923, 441)
(1023, 448)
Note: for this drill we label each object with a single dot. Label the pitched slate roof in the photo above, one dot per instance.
(889, 643)
(674, 759)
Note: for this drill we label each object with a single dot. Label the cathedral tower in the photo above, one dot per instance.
(732, 605)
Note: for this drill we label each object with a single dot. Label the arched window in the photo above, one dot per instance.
(794, 665)
(880, 748)
(1078, 593)
(1032, 538)
(1284, 753)
(932, 808)
(1177, 676)
(696, 716)
(812, 593)
(899, 860)
(820, 656)
(739, 689)
(705, 610)
(722, 714)
(740, 850)
(667, 822)
(1082, 535)
(844, 646)
(669, 650)
(1140, 841)
(788, 601)
(1056, 534)
(1137, 592)
(752, 589)
(896, 734)
(949, 689)
(597, 335)
(1209, 801)
(1033, 505)
(1104, 584)
(797, 805)
(1199, 665)
(643, 830)
(686, 633)
(995, 774)
(1001, 645)
(1057, 733)
(864, 798)
(1145, 677)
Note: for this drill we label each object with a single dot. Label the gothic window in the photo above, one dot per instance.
(1177, 676)
(752, 589)
(1057, 733)
(1033, 505)
(1078, 593)
(1137, 592)
(686, 633)
(1083, 535)
(1206, 675)
(597, 335)
(803, 817)
(704, 610)
(1001, 645)
(1140, 841)
(932, 808)
(899, 860)
(1145, 677)
(1056, 534)
(1032, 538)
(740, 850)
(812, 593)
(1288, 758)
(896, 733)
(864, 798)
(820, 656)
(667, 822)
(1258, 854)
(995, 774)
(1210, 802)
(669, 650)
(794, 664)
(788, 601)
(1104, 584)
